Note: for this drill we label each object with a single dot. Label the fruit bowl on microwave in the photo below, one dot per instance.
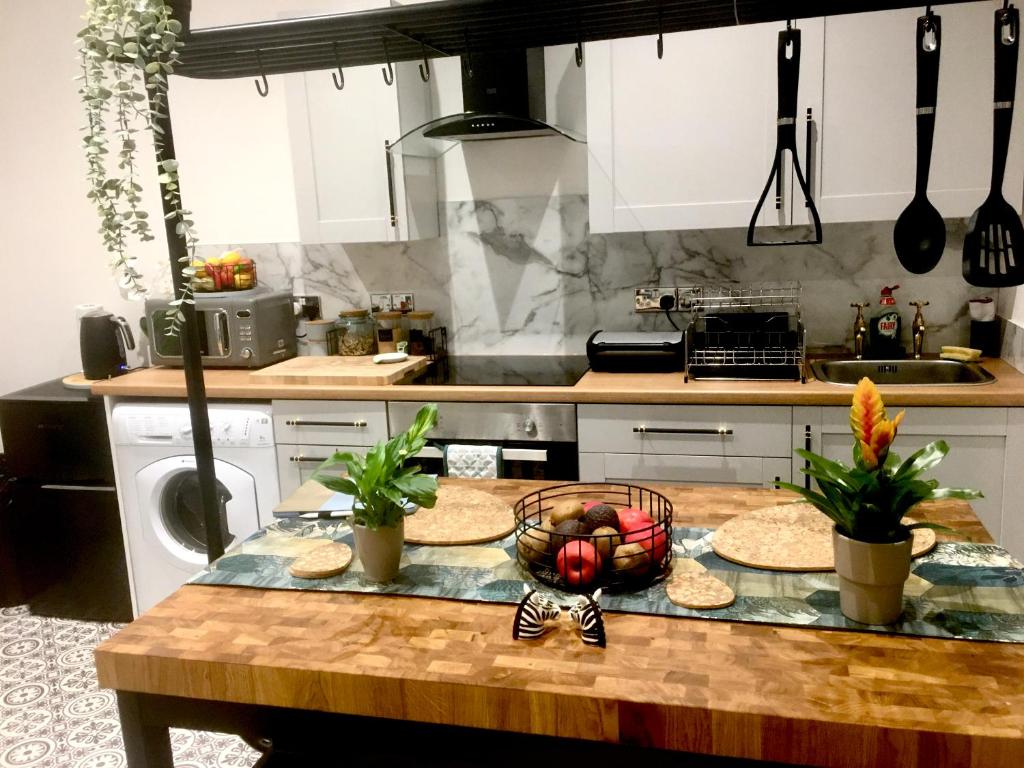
(231, 271)
(579, 537)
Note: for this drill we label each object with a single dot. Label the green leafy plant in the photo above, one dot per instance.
(383, 480)
(128, 49)
(869, 500)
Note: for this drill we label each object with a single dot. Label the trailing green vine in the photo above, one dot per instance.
(128, 49)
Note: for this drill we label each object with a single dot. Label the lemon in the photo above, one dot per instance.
(231, 257)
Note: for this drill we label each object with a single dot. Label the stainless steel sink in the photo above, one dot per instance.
(929, 372)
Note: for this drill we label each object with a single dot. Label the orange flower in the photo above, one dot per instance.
(870, 424)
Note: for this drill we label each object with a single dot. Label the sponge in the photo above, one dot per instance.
(963, 354)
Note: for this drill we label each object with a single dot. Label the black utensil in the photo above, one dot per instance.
(994, 244)
(920, 233)
(789, 81)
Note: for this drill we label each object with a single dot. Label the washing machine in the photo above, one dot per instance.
(161, 511)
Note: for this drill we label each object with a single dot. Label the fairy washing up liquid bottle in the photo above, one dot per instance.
(886, 327)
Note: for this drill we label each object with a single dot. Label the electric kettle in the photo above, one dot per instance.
(105, 339)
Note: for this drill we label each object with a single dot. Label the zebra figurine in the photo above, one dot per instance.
(586, 615)
(535, 610)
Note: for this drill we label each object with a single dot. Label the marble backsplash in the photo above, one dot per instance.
(525, 276)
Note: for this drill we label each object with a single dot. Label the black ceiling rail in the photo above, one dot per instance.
(295, 45)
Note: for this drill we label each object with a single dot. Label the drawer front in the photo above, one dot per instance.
(687, 430)
(683, 470)
(926, 421)
(324, 422)
(297, 463)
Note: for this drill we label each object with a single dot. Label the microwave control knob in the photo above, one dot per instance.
(246, 353)
(530, 427)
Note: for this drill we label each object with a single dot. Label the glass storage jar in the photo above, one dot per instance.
(419, 325)
(389, 331)
(357, 332)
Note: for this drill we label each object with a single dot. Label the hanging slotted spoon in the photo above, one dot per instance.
(994, 244)
(920, 233)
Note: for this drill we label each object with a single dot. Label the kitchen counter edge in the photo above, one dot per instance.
(661, 388)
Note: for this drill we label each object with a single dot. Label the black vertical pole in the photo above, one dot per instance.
(195, 386)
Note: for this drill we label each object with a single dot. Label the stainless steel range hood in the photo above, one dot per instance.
(503, 95)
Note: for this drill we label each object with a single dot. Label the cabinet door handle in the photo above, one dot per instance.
(307, 459)
(303, 423)
(389, 161)
(809, 157)
(807, 447)
(722, 431)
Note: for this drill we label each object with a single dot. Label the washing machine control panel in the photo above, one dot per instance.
(230, 426)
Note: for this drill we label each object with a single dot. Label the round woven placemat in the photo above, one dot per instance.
(461, 516)
(323, 562)
(789, 537)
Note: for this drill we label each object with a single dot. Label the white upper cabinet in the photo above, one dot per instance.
(344, 188)
(688, 141)
(867, 161)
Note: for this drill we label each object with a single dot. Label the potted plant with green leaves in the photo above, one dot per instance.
(868, 503)
(382, 483)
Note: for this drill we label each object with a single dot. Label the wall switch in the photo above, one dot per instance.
(403, 302)
(380, 302)
(650, 299)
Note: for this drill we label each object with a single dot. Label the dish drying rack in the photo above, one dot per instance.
(744, 332)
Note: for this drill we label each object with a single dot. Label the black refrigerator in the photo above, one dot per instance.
(61, 545)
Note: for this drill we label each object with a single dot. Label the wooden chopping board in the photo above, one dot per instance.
(461, 516)
(338, 369)
(789, 537)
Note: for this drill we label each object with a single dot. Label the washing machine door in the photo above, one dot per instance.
(172, 517)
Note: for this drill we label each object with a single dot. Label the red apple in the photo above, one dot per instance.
(631, 517)
(578, 563)
(650, 537)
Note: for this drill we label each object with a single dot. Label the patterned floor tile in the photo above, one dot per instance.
(53, 714)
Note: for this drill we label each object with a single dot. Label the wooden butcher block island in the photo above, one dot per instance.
(346, 672)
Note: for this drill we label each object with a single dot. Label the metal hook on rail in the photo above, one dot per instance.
(262, 88)
(425, 66)
(339, 76)
(661, 37)
(467, 60)
(389, 72)
(579, 43)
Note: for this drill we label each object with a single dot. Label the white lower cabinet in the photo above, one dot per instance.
(307, 432)
(986, 453)
(686, 444)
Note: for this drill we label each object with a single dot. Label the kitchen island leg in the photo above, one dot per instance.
(147, 744)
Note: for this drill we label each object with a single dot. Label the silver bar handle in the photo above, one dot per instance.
(358, 424)
(644, 430)
(219, 345)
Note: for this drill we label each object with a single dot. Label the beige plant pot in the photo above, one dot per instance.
(380, 550)
(871, 578)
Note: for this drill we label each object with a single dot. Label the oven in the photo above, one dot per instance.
(537, 440)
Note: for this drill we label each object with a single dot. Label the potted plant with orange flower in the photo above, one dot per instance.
(868, 503)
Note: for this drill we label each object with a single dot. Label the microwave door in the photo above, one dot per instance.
(214, 337)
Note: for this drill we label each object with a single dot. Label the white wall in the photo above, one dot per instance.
(51, 257)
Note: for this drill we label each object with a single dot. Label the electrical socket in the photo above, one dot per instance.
(380, 302)
(403, 302)
(649, 299)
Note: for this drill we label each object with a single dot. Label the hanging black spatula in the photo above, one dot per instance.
(994, 244)
(789, 81)
(920, 233)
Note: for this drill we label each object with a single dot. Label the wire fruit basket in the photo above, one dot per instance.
(622, 540)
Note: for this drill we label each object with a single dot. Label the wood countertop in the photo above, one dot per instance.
(798, 695)
(1007, 390)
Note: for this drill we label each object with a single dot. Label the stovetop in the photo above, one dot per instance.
(505, 371)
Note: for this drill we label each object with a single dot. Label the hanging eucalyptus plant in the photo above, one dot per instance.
(128, 49)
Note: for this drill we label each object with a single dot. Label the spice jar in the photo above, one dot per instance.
(419, 325)
(356, 332)
(389, 331)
